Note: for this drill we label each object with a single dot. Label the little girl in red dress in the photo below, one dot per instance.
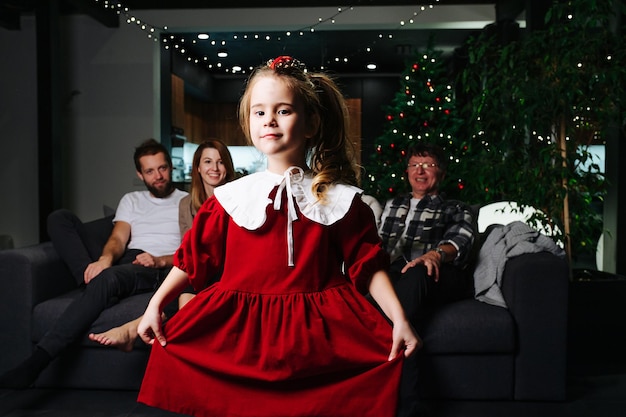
(287, 330)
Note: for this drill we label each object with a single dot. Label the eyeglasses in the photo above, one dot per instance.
(425, 166)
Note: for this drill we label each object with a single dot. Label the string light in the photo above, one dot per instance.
(152, 30)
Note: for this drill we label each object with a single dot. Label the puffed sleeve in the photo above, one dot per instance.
(201, 253)
(362, 249)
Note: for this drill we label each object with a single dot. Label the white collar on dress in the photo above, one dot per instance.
(247, 198)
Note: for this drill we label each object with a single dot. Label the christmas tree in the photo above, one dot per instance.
(423, 110)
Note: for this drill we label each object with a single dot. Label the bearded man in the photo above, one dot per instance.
(135, 258)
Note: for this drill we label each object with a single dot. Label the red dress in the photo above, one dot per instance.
(272, 339)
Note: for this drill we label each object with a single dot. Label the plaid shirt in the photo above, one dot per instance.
(434, 222)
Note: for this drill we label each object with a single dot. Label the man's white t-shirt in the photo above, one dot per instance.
(153, 221)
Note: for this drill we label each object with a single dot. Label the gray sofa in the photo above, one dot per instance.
(472, 350)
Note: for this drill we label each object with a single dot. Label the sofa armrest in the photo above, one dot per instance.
(535, 287)
(27, 277)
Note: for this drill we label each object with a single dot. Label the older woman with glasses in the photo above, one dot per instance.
(430, 240)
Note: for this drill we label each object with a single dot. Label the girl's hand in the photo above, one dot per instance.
(149, 328)
(404, 339)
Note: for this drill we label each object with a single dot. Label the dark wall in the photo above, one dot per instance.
(375, 92)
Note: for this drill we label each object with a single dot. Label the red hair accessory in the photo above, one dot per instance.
(284, 62)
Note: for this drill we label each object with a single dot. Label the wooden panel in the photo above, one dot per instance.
(178, 102)
(354, 133)
(211, 120)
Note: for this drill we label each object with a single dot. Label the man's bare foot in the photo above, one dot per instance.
(122, 337)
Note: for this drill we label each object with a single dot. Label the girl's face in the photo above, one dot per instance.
(211, 168)
(277, 124)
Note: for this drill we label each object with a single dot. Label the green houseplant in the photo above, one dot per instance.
(533, 107)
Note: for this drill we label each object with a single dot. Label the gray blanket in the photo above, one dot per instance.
(503, 243)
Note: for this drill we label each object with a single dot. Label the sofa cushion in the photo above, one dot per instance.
(46, 313)
(469, 326)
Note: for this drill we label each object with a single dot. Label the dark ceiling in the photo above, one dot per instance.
(9, 9)
(345, 51)
(338, 51)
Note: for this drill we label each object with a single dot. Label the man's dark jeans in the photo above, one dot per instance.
(79, 244)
